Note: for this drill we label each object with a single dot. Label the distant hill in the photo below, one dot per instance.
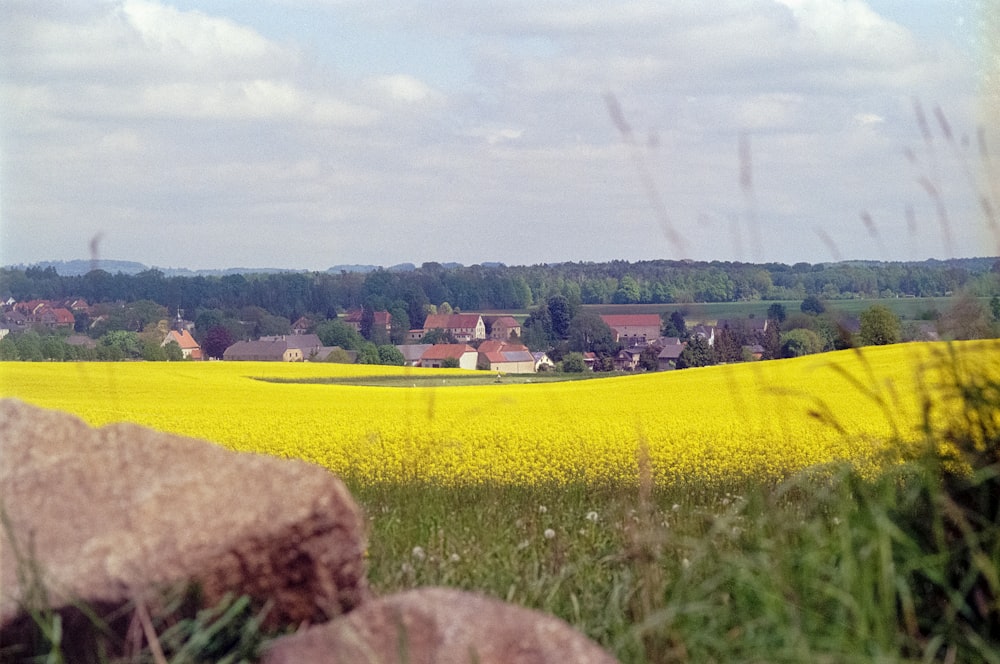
(75, 268)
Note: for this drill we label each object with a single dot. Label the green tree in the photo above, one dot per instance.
(389, 354)
(53, 348)
(339, 356)
(649, 359)
(173, 351)
(995, 308)
(800, 341)
(561, 314)
(589, 333)
(29, 347)
(777, 312)
(573, 363)
(628, 291)
(368, 353)
(674, 325)
(697, 353)
(153, 352)
(8, 349)
(438, 336)
(728, 345)
(966, 318)
(879, 326)
(812, 305)
(450, 363)
(399, 321)
(339, 333)
(125, 341)
(537, 329)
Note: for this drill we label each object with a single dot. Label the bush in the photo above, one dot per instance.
(573, 363)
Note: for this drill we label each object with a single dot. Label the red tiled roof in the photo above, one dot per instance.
(64, 316)
(378, 317)
(451, 321)
(183, 339)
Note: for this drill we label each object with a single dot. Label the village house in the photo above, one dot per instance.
(15, 321)
(380, 320)
(501, 356)
(435, 356)
(464, 327)
(189, 347)
(283, 348)
(412, 353)
(45, 313)
(627, 359)
(543, 362)
(633, 329)
(271, 350)
(303, 325)
(670, 350)
(706, 332)
(502, 327)
(310, 344)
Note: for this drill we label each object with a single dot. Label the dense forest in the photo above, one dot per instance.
(493, 287)
(128, 313)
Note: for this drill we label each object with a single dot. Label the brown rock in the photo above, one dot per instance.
(439, 626)
(108, 515)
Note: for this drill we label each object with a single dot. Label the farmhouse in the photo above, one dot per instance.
(464, 327)
(381, 320)
(543, 362)
(502, 327)
(670, 350)
(435, 356)
(496, 355)
(633, 329)
(412, 353)
(189, 347)
(272, 350)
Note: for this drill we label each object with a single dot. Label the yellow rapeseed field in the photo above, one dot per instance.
(761, 420)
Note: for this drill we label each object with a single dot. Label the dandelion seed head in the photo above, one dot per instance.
(591, 516)
(542, 509)
(549, 533)
(418, 553)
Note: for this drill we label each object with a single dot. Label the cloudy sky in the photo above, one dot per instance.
(310, 133)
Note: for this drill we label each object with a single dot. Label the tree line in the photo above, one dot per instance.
(499, 287)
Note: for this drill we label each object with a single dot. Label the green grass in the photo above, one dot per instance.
(815, 570)
(479, 378)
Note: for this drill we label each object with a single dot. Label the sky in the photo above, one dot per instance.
(304, 134)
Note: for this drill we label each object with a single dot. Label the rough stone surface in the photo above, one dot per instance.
(439, 626)
(120, 512)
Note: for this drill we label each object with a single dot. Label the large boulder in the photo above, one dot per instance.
(106, 517)
(439, 626)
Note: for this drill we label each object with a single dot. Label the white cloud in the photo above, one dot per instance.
(134, 114)
(402, 87)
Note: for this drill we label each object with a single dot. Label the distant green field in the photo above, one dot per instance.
(905, 307)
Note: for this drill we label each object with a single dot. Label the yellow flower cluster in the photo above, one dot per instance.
(760, 420)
